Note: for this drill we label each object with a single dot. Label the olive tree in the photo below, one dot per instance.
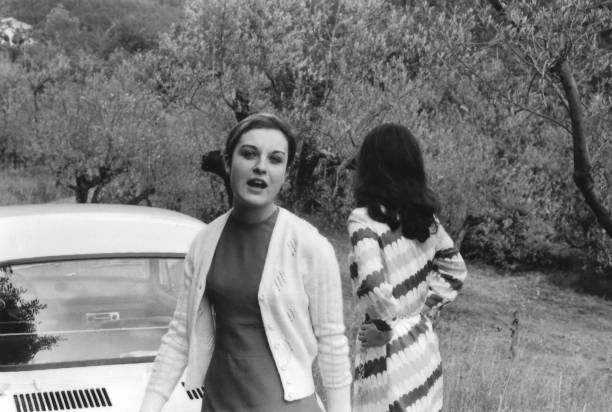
(555, 57)
(93, 132)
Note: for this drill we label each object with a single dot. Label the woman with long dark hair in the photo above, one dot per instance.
(404, 268)
(261, 299)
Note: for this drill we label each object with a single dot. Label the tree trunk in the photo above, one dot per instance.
(81, 189)
(582, 164)
(212, 162)
(306, 163)
(143, 196)
(241, 105)
(95, 197)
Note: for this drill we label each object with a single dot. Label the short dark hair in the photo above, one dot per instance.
(392, 184)
(260, 121)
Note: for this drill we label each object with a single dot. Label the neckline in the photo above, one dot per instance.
(268, 219)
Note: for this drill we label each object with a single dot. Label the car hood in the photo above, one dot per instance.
(108, 388)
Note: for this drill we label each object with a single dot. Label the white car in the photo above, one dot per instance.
(86, 293)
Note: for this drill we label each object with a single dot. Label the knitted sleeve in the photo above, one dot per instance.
(369, 274)
(173, 352)
(448, 273)
(326, 314)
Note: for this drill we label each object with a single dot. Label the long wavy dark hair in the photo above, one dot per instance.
(391, 182)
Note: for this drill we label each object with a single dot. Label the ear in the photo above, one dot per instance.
(226, 163)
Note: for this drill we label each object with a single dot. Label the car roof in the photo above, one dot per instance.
(34, 233)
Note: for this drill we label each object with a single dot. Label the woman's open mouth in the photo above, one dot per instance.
(257, 183)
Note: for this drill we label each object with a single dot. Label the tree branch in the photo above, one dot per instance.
(543, 72)
(512, 102)
(144, 195)
(582, 164)
(193, 94)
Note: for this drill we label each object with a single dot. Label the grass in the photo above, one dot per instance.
(563, 358)
(562, 354)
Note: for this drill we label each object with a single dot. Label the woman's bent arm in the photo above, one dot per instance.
(173, 352)
(448, 274)
(326, 312)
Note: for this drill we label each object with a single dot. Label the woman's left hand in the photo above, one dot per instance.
(370, 336)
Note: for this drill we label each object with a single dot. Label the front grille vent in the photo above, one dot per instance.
(62, 400)
(197, 393)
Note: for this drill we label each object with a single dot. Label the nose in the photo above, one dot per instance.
(260, 166)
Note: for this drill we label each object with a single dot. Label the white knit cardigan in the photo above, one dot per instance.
(300, 299)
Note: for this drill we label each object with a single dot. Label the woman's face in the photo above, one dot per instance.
(257, 169)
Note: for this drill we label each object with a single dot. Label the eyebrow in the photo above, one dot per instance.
(250, 146)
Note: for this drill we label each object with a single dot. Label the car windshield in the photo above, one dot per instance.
(83, 311)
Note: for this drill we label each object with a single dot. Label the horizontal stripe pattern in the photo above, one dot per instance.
(389, 237)
(413, 281)
(371, 367)
(361, 234)
(454, 283)
(409, 399)
(446, 253)
(371, 281)
(405, 340)
(406, 380)
(353, 270)
(394, 280)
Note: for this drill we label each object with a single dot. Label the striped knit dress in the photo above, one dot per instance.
(397, 281)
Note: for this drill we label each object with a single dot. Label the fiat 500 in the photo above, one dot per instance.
(86, 293)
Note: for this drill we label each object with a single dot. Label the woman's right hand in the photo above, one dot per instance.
(370, 336)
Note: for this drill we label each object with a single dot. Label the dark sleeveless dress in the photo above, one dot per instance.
(242, 375)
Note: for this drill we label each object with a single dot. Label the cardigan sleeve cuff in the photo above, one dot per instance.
(338, 399)
(152, 402)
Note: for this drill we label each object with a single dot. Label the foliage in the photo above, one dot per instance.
(134, 111)
(63, 28)
(18, 315)
(513, 56)
(97, 26)
(11, 98)
(95, 15)
(31, 185)
(127, 35)
(100, 131)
